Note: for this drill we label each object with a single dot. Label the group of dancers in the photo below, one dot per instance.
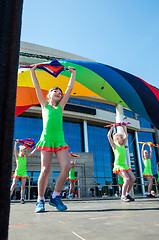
(52, 140)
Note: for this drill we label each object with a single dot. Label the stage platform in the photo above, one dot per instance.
(86, 219)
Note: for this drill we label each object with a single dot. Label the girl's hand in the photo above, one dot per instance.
(17, 140)
(71, 69)
(33, 67)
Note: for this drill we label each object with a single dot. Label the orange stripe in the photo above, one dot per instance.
(27, 96)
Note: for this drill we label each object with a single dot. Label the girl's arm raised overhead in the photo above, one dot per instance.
(110, 138)
(150, 151)
(70, 85)
(39, 94)
(126, 135)
(75, 161)
(15, 149)
(142, 150)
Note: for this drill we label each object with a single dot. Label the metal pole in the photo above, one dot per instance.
(29, 189)
(85, 132)
(139, 163)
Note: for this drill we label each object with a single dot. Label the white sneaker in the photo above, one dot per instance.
(125, 199)
(70, 197)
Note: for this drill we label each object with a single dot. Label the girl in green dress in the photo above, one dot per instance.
(52, 140)
(147, 170)
(21, 171)
(118, 145)
(72, 179)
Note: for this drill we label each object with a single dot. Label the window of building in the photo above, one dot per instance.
(26, 127)
(144, 123)
(73, 132)
(93, 104)
(102, 154)
(129, 113)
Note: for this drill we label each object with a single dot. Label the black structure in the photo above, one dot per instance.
(10, 22)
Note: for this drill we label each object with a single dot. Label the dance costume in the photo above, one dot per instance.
(72, 175)
(120, 164)
(52, 137)
(21, 171)
(147, 171)
(120, 181)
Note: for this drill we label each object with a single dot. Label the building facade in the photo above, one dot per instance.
(84, 121)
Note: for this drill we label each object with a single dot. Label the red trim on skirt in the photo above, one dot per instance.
(148, 176)
(19, 177)
(123, 170)
(49, 149)
(72, 179)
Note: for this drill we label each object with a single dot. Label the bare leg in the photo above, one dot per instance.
(150, 184)
(23, 182)
(132, 180)
(15, 180)
(71, 186)
(46, 158)
(126, 178)
(64, 160)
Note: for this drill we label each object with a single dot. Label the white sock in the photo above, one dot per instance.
(41, 198)
(55, 194)
(127, 193)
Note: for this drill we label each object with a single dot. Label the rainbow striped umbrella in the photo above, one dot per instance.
(93, 80)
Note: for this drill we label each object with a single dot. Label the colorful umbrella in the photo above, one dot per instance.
(117, 124)
(149, 143)
(54, 67)
(93, 80)
(73, 155)
(27, 142)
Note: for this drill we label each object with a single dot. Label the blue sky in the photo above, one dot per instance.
(119, 33)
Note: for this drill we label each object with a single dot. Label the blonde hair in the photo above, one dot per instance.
(115, 136)
(54, 88)
(21, 147)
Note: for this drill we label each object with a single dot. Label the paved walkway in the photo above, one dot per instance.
(87, 220)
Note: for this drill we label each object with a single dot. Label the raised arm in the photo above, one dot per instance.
(39, 94)
(126, 135)
(150, 151)
(75, 161)
(30, 154)
(70, 85)
(15, 149)
(142, 151)
(110, 138)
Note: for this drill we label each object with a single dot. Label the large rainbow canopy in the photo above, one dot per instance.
(93, 80)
